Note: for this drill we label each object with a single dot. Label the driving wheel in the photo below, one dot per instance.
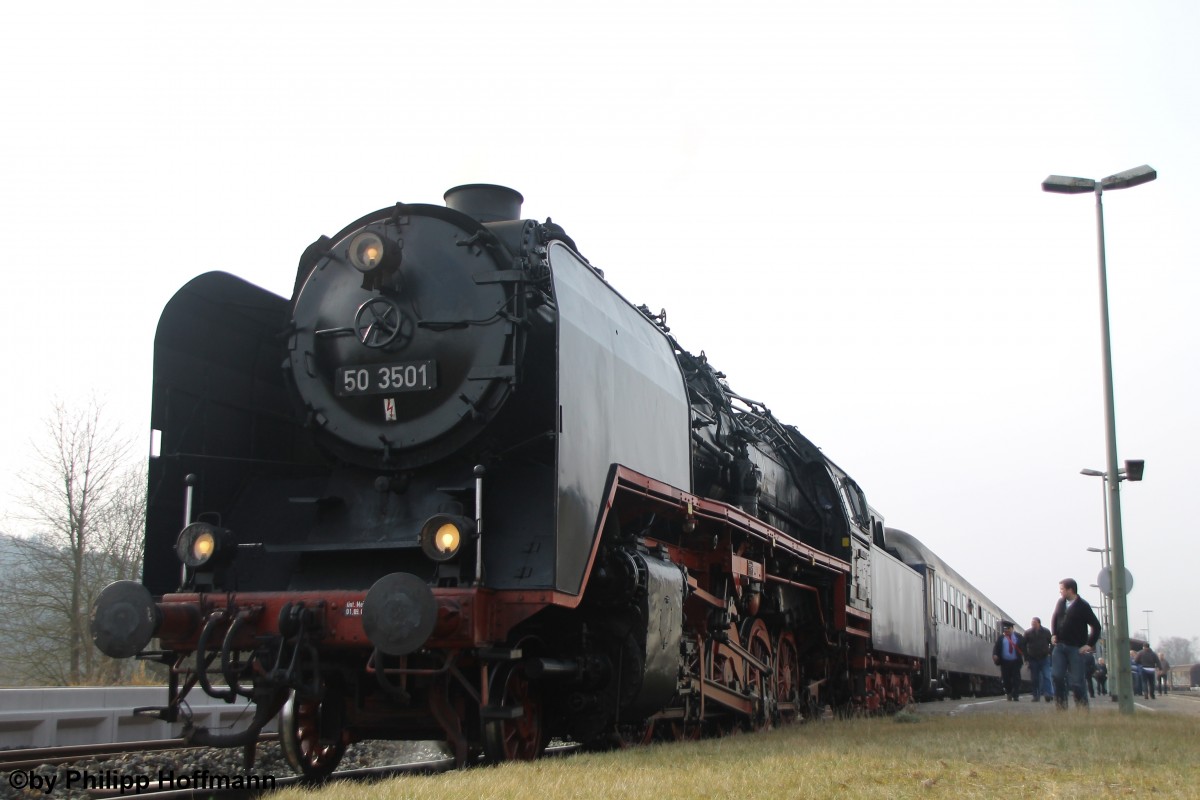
(519, 738)
(311, 732)
(787, 677)
(761, 682)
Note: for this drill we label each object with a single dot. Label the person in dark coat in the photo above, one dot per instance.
(1089, 668)
(1147, 659)
(1075, 631)
(1007, 654)
(1037, 655)
(1101, 676)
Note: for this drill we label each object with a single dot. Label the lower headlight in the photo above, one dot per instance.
(201, 543)
(442, 535)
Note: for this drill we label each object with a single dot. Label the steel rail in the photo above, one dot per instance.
(428, 766)
(31, 757)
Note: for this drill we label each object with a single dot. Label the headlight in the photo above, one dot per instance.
(366, 251)
(200, 543)
(447, 538)
(442, 535)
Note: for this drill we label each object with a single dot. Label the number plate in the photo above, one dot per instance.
(409, 376)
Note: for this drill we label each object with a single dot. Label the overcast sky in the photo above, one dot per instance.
(839, 202)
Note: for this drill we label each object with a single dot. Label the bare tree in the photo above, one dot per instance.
(118, 557)
(1177, 650)
(86, 509)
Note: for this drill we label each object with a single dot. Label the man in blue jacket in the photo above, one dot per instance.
(1007, 654)
(1075, 631)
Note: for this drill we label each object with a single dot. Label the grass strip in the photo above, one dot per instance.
(985, 756)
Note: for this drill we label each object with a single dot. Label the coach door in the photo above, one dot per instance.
(935, 598)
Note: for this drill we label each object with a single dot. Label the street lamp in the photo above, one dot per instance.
(1067, 185)
(1133, 470)
(1105, 609)
(1148, 612)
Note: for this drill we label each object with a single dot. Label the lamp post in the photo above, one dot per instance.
(1135, 469)
(1105, 610)
(1148, 612)
(1067, 185)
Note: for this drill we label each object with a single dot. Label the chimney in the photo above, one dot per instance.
(485, 202)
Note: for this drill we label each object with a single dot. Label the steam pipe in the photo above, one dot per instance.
(227, 670)
(479, 471)
(189, 482)
(203, 659)
(266, 707)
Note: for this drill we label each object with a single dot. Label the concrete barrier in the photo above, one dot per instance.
(57, 717)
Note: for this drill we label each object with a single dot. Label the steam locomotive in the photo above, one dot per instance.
(458, 488)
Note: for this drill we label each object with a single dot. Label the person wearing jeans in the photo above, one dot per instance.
(1148, 660)
(1136, 670)
(1037, 654)
(1074, 631)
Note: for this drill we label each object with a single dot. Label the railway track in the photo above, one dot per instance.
(91, 739)
(29, 765)
(108, 784)
(32, 757)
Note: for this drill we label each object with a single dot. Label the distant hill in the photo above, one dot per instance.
(8, 561)
(14, 647)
